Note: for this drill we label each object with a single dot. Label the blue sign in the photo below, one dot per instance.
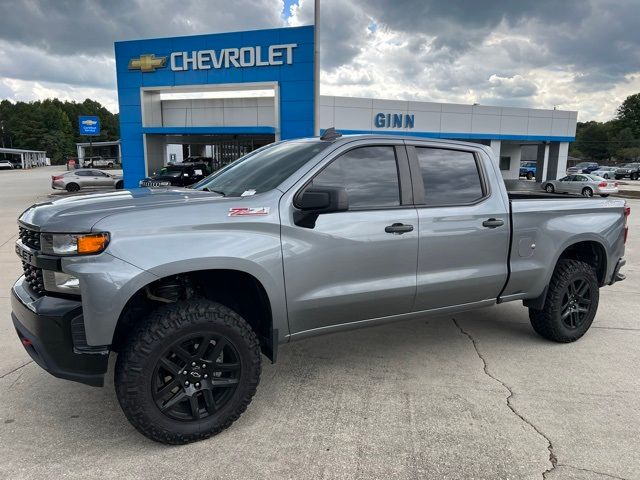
(89, 125)
(282, 57)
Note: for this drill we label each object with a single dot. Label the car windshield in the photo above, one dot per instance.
(170, 172)
(262, 170)
(631, 165)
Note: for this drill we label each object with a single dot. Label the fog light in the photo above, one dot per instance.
(60, 282)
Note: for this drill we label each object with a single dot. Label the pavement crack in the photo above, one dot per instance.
(608, 475)
(552, 456)
(16, 369)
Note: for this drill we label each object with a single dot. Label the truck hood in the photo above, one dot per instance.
(79, 213)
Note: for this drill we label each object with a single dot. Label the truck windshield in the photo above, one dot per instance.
(262, 170)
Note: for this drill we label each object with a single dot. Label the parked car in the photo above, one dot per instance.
(528, 169)
(100, 162)
(631, 170)
(583, 167)
(301, 238)
(177, 175)
(582, 184)
(6, 165)
(605, 172)
(85, 179)
(17, 163)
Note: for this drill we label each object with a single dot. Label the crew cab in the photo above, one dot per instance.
(296, 239)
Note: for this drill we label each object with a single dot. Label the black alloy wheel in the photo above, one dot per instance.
(196, 376)
(576, 303)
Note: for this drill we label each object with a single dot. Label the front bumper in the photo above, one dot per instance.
(51, 330)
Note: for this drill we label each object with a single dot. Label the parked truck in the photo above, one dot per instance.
(191, 286)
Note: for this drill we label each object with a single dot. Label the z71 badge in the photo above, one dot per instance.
(248, 211)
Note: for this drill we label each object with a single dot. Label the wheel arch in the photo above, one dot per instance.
(588, 250)
(237, 289)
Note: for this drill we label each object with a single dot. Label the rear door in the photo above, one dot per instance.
(353, 265)
(464, 228)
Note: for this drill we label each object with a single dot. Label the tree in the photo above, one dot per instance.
(629, 114)
(592, 140)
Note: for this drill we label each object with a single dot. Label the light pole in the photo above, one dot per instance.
(316, 67)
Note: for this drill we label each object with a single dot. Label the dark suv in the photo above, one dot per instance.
(179, 175)
(631, 170)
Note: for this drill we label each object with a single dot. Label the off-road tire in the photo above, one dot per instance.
(162, 328)
(72, 187)
(547, 322)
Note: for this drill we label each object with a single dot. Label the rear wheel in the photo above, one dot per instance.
(570, 305)
(606, 175)
(529, 176)
(72, 187)
(587, 192)
(188, 371)
(634, 176)
(549, 188)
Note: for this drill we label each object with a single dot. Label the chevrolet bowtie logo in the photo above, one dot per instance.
(147, 63)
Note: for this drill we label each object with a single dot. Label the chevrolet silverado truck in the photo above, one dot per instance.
(191, 286)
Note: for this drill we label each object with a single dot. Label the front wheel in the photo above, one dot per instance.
(633, 176)
(587, 192)
(570, 305)
(529, 176)
(188, 371)
(72, 187)
(549, 188)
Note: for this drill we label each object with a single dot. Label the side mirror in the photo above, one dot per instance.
(314, 201)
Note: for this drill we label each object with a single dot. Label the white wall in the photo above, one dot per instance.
(227, 112)
(513, 150)
(349, 113)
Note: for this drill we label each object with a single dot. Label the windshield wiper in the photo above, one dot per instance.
(219, 192)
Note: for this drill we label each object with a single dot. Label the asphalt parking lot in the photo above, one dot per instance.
(478, 396)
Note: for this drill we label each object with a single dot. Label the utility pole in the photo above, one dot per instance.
(316, 67)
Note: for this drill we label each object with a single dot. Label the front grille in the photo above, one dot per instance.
(154, 184)
(30, 238)
(33, 276)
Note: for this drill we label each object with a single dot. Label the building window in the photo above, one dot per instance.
(505, 163)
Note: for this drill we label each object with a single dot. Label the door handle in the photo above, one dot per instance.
(493, 223)
(399, 228)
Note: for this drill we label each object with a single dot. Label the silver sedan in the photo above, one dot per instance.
(85, 179)
(583, 184)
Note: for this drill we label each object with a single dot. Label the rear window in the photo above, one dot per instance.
(450, 177)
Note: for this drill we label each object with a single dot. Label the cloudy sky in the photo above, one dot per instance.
(575, 54)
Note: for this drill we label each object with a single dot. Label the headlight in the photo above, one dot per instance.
(74, 244)
(60, 282)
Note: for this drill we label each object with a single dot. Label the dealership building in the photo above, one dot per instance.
(223, 95)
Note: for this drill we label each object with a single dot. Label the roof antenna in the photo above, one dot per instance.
(330, 134)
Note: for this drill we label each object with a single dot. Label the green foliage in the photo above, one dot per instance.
(52, 125)
(629, 114)
(617, 139)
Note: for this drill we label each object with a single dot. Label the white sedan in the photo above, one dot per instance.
(584, 184)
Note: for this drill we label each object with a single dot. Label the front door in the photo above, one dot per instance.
(464, 228)
(358, 264)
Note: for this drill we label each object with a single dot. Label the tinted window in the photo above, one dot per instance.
(449, 176)
(84, 173)
(368, 174)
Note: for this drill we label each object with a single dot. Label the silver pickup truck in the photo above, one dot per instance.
(190, 286)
